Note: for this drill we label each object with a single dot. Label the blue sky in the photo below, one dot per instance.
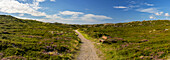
(87, 11)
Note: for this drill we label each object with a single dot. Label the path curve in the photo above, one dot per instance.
(87, 50)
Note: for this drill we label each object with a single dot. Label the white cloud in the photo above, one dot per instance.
(70, 13)
(52, 0)
(77, 17)
(167, 14)
(40, 0)
(13, 6)
(133, 5)
(148, 10)
(154, 11)
(22, 0)
(25, 18)
(94, 18)
(21, 14)
(152, 17)
(52, 16)
(120, 7)
(149, 4)
(82, 16)
(73, 14)
(132, 2)
(159, 13)
(91, 16)
(82, 19)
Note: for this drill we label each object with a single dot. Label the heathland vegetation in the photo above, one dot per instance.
(29, 39)
(131, 41)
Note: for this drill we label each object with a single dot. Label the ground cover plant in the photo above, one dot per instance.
(29, 39)
(134, 40)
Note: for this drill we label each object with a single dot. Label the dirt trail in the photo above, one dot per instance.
(87, 50)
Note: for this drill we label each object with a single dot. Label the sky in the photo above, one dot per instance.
(87, 11)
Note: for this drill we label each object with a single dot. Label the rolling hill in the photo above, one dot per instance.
(30, 39)
(131, 41)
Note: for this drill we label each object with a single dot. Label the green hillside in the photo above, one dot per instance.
(132, 41)
(29, 39)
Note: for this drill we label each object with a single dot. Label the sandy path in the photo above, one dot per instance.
(87, 50)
